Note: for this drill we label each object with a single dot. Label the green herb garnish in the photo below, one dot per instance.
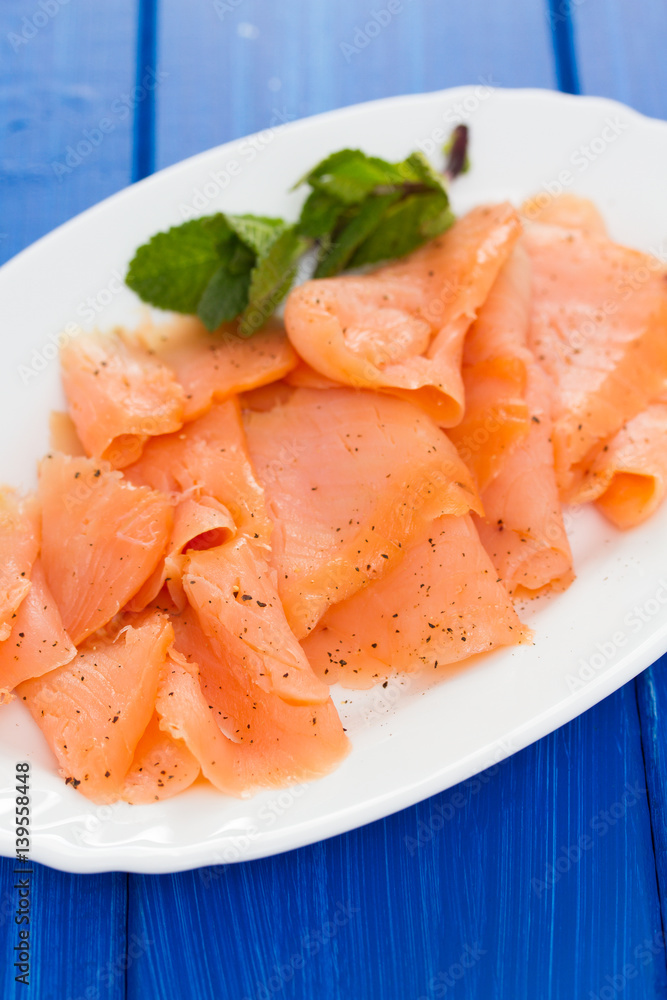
(360, 210)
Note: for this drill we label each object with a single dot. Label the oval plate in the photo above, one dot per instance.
(407, 743)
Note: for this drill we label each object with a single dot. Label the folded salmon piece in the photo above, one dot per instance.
(568, 210)
(161, 767)
(244, 737)
(102, 538)
(212, 367)
(63, 436)
(495, 362)
(38, 642)
(522, 528)
(442, 604)
(94, 710)
(118, 397)
(350, 476)
(400, 328)
(19, 545)
(628, 476)
(208, 457)
(233, 590)
(599, 319)
(198, 524)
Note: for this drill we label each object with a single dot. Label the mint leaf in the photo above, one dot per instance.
(172, 270)
(356, 228)
(350, 175)
(319, 214)
(404, 227)
(224, 298)
(257, 232)
(271, 279)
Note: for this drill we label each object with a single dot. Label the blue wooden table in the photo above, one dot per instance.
(550, 880)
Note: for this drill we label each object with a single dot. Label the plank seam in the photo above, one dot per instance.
(561, 23)
(636, 683)
(143, 161)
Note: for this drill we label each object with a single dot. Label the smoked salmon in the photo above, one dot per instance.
(118, 397)
(94, 711)
(567, 210)
(19, 545)
(212, 367)
(102, 538)
(598, 324)
(442, 604)
(495, 364)
(161, 767)
(38, 642)
(350, 476)
(233, 590)
(522, 528)
(400, 329)
(244, 737)
(208, 458)
(628, 477)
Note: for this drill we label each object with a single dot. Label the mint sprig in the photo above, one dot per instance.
(361, 210)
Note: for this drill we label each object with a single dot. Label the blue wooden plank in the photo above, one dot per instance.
(66, 76)
(652, 700)
(621, 51)
(237, 66)
(67, 79)
(537, 880)
(77, 935)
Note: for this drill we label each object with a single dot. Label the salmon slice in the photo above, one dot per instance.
(350, 476)
(442, 604)
(523, 529)
(102, 539)
(19, 545)
(198, 524)
(598, 327)
(94, 710)
(305, 377)
(38, 642)
(234, 593)
(63, 436)
(628, 477)
(212, 367)
(208, 457)
(495, 362)
(162, 767)
(118, 397)
(244, 737)
(568, 210)
(401, 328)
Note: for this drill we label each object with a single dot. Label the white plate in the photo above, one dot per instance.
(407, 744)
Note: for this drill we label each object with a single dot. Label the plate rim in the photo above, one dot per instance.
(162, 859)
